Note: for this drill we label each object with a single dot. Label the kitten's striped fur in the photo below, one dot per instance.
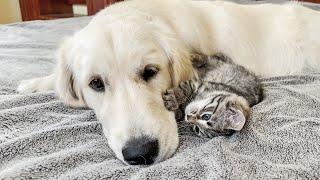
(218, 101)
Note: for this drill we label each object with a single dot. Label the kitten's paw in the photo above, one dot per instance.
(170, 101)
(179, 115)
(188, 86)
(36, 85)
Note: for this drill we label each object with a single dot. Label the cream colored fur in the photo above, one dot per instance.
(270, 40)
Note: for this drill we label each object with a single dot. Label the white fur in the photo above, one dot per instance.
(270, 40)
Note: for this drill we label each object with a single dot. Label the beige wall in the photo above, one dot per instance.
(9, 11)
(79, 9)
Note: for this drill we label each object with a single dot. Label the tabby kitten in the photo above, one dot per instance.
(216, 102)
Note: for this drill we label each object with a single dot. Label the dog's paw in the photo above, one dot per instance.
(28, 86)
(35, 85)
(170, 101)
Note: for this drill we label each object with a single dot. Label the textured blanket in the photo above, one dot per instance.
(41, 138)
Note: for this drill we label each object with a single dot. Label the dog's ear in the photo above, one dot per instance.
(180, 66)
(66, 86)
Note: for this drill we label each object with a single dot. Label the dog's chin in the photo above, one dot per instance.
(168, 147)
(167, 138)
(167, 150)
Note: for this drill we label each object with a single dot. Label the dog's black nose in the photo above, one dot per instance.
(141, 150)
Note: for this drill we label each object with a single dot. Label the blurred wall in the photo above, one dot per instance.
(9, 11)
(79, 9)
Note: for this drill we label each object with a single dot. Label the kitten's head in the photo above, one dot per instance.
(217, 114)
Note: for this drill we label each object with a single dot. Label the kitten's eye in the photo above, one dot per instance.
(206, 117)
(149, 72)
(97, 85)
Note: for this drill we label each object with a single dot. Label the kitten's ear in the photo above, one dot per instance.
(237, 114)
(234, 120)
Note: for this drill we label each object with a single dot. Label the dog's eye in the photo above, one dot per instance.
(149, 72)
(97, 85)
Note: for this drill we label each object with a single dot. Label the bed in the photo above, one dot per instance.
(41, 138)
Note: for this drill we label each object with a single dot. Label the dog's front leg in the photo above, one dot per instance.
(41, 84)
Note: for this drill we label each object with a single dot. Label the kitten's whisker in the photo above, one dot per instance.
(181, 135)
(183, 126)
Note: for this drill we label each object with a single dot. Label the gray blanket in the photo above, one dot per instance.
(41, 138)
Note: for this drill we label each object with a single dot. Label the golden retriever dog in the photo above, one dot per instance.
(131, 52)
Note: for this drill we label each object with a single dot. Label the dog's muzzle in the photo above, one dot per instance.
(143, 150)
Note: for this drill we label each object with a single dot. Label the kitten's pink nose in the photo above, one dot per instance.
(191, 119)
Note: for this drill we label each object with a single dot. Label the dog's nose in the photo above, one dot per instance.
(140, 151)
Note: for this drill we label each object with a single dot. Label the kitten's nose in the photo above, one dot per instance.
(191, 118)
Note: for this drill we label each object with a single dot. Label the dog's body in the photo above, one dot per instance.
(132, 51)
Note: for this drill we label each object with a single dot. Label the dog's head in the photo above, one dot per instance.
(119, 69)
